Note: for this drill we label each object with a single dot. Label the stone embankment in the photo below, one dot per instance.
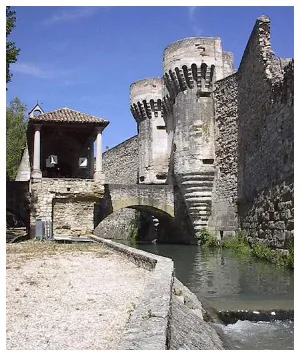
(169, 315)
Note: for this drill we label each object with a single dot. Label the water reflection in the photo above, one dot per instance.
(228, 280)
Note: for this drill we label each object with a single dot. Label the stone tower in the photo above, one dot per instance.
(146, 107)
(191, 66)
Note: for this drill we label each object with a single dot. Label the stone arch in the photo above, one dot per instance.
(164, 233)
(154, 207)
(157, 200)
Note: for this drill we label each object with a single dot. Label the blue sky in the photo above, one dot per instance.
(85, 58)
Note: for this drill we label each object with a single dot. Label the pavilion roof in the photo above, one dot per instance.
(66, 115)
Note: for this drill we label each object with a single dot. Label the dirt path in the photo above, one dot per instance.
(72, 296)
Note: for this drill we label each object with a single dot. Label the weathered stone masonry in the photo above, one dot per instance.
(265, 142)
(229, 136)
(68, 202)
(223, 140)
(120, 165)
(224, 218)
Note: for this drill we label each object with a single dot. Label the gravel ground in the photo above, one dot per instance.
(68, 296)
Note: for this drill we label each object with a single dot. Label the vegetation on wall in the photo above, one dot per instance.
(134, 227)
(240, 244)
(207, 239)
(15, 136)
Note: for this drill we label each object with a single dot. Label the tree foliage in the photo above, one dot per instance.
(11, 50)
(16, 125)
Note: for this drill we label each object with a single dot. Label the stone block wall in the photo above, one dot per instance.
(224, 208)
(270, 218)
(120, 163)
(265, 141)
(68, 202)
(120, 166)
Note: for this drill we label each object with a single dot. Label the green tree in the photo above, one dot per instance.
(16, 125)
(11, 50)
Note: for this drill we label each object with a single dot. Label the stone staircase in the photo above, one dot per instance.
(196, 189)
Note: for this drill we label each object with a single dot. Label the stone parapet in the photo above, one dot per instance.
(194, 50)
(147, 328)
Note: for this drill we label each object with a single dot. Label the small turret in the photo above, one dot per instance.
(146, 108)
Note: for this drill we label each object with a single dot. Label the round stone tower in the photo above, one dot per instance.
(146, 108)
(191, 66)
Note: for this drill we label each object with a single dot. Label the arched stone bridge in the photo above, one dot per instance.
(157, 199)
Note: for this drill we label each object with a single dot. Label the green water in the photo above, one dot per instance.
(226, 280)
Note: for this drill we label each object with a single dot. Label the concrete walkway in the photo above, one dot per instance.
(69, 296)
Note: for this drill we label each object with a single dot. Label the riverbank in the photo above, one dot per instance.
(90, 296)
(68, 296)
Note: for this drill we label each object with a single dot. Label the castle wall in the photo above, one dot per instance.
(120, 166)
(120, 163)
(224, 210)
(194, 133)
(265, 141)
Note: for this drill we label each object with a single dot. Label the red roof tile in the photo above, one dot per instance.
(69, 116)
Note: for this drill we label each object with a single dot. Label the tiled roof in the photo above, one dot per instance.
(69, 116)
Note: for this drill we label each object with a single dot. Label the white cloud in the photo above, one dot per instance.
(35, 71)
(73, 13)
(192, 10)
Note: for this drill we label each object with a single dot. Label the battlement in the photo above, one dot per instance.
(146, 98)
(184, 78)
(195, 62)
(188, 51)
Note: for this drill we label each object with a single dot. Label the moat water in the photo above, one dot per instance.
(227, 281)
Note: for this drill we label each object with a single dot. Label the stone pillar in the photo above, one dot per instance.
(36, 171)
(98, 175)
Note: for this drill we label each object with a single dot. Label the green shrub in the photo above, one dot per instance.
(290, 247)
(290, 260)
(264, 252)
(207, 239)
(239, 244)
